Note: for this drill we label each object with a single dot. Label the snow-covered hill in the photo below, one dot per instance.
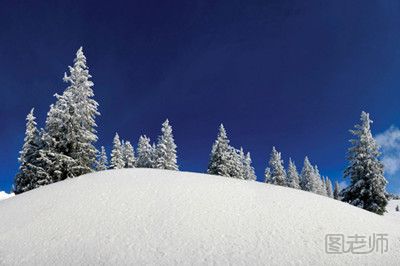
(147, 216)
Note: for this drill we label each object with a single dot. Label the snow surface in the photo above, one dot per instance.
(160, 217)
(391, 209)
(5, 195)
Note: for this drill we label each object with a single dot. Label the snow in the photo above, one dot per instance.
(161, 217)
(391, 209)
(5, 195)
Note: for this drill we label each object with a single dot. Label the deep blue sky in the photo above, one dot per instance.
(286, 73)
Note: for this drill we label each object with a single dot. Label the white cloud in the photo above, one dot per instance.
(389, 141)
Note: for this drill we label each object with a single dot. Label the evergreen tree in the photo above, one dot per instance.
(336, 190)
(278, 175)
(320, 182)
(368, 185)
(117, 156)
(293, 178)
(267, 175)
(235, 163)
(329, 190)
(308, 180)
(129, 155)
(221, 154)
(69, 138)
(153, 155)
(166, 149)
(145, 153)
(31, 173)
(249, 173)
(102, 161)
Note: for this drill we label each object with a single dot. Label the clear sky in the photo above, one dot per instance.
(294, 74)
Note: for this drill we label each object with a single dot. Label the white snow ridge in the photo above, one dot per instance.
(159, 217)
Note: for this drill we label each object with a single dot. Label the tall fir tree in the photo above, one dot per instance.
(336, 190)
(129, 155)
(308, 181)
(145, 153)
(166, 149)
(31, 173)
(329, 190)
(293, 178)
(70, 125)
(220, 155)
(278, 174)
(368, 184)
(102, 161)
(117, 155)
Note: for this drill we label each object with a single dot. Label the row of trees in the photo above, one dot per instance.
(225, 160)
(309, 179)
(161, 155)
(65, 148)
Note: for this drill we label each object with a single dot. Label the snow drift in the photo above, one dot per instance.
(148, 216)
(5, 195)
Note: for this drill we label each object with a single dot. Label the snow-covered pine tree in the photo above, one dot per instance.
(154, 155)
(235, 163)
(31, 173)
(267, 175)
(278, 174)
(102, 161)
(368, 185)
(293, 178)
(70, 135)
(308, 181)
(166, 149)
(320, 182)
(145, 153)
(329, 190)
(249, 173)
(336, 190)
(117, 156)
(129, 155)
(220, 155)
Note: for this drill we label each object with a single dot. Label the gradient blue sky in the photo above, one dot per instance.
(286, 73)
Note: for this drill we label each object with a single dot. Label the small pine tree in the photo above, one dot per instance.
(320, 182)
(278, 175)
(166, 149)
(145, 153)
(368, 185)
(129, 155)
(249, 173)
(293, 178)
(308, 180)
(31, 170)
(329, 190)
(267, 175)
(336, 190)
(221, 154)
(117, 157)
(102, 160)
